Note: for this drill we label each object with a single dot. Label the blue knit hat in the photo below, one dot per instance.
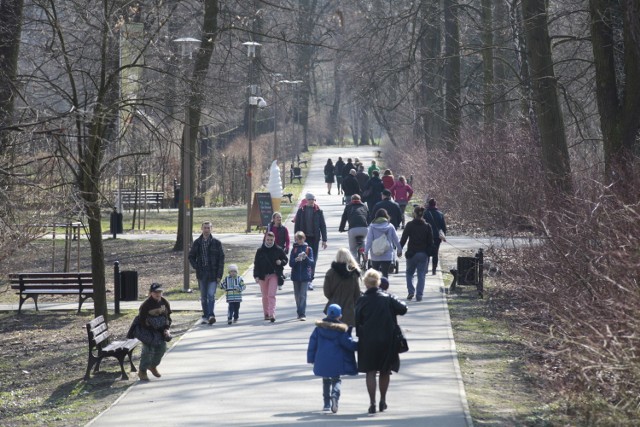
(334, 311)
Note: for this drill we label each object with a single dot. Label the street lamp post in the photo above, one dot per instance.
(185, 185)
(253, 103)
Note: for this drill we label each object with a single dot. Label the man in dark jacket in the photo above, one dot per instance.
(339, 169)
(207, 258)
(347, 168)
(350, 185)
(392, 208)
(435, 218)
(356, 214)
(310, 220)
(371, 193)
(362, 176)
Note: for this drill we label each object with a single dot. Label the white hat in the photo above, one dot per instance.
(233, 267)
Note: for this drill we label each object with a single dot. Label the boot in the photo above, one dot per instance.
(143, 375)
(155, 372)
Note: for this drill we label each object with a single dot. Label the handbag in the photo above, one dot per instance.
(400, 342)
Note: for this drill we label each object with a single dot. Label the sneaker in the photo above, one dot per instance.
(155, 372)
(280, 287)
(310, 287)
(267, 317)
(326, 409)
(302, 318)
(235, 320)
(419, 298)
(334, 404)
(212, 320)
(204, 320)
(409, 297)
(228, 321)
(272, 318)
(143, 376)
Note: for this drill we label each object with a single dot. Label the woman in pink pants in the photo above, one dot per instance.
(267, 266)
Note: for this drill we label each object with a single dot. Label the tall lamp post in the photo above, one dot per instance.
(185, 185)
(253, 103)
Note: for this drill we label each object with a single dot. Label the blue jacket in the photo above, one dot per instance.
(332, 350)
(301, 271)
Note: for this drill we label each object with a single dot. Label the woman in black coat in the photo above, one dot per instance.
(329, 172)
(267, 267)
(376, 313)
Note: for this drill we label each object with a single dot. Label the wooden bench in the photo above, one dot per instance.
(98, 333)
(300, 162)
(32, 285)
(295, 173)
(152, 199)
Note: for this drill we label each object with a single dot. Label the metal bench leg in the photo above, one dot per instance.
(133, 367)
(90, 363)
(120, 358)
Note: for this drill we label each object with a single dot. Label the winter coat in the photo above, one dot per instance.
(329, 171)
(347, 168)
(388, 181)
(342, 287)
(376, 313)
(338, 168)
(350, 186)
(373, 168)
(214, 268)
(154, 317)
(435, 218)
(356, 214)
(331, 349)
(233, 287)
(301, 271)
(401, 193)
(319, 227)
(362, 179)
(392, 208)
(420, 237)
(379, 227)
(282, 235)
(373, 189)
(265, 261)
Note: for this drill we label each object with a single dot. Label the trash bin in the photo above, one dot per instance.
(467, 274)
(128, 285)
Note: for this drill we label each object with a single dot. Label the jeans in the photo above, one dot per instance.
(330, 388)
(207, 297)
(151, 355)
(268, 288)
(234, 310)
(434, 254)
(419, 261)
(403, 208)
(300, 295)
(314, 244)
(382, 267)
(353, 233)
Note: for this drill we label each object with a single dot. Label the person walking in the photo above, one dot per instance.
(420, 237)
(331, 350)
(347, 168)
(372, 192)
(392, 208)
(387, 179)
(154, 315)
(350, 186)
(342, 285)
(301, 262)
(373, 167)
(310, 220)
(401, 193)
(207, 258)
(282, 238)
(329, 171)
(435, 219)
(339, 167)
(362, 176)
(233, 285)
(356, 214)
(376, 315)
(382, 241)
(268, 263)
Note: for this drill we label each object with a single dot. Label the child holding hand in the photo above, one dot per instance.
(233, 285)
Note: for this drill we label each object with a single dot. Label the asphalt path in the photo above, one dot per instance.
(254, 373)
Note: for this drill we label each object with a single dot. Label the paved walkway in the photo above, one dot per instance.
(253, 373)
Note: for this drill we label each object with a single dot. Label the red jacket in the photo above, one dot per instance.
(401, 193)
(387, 181)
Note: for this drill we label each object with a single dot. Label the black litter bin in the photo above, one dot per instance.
(467, 270)
(128, 285)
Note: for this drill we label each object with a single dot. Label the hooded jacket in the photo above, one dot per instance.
(331, 349)
(379, 227)
(301, 271)
(342, 287)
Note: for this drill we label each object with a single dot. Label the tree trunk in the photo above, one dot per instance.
(10, 31)
(196, 94)
(555, 153)
(365, 135)
(617, 92)
(487, 68)
(452, 73)
(429, 75)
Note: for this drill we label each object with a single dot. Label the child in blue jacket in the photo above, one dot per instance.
(332, 352)
(301, 262)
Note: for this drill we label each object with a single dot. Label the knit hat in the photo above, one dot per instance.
(334, 311)
(233, 267)
(309, 196)
(155, 287)
(384, 283)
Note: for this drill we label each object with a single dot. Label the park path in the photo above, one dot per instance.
(253, 373)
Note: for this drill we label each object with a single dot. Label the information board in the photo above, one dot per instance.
(261, 209)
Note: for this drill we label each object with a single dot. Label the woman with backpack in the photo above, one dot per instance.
(382, 242)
